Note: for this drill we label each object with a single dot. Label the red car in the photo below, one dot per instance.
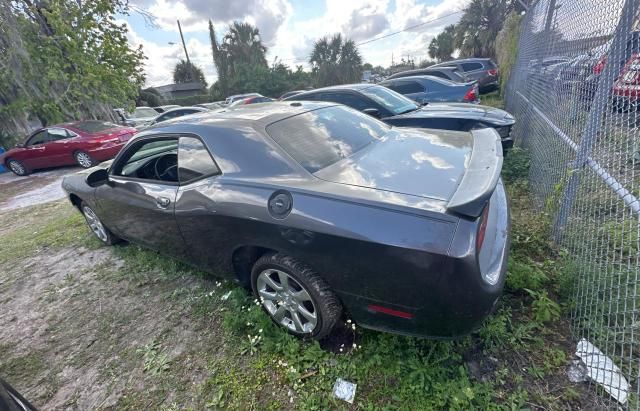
(85, 143)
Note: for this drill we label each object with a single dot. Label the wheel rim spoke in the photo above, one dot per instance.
(297, 322)
(267, 295)
(301, 296)
(269, 281)
(311, 317)
(284, 280)
(279, 314)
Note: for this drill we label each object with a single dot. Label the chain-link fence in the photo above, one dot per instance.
(575, 91)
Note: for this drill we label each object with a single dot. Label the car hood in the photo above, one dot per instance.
(462, 110)
(419, 162)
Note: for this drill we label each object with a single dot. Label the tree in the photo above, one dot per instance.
(149, 97)
(243, 46)
(335, 61)
(506, 45)
(187, 72)
(220, 61)
(63, 60)
(442, 46)
(478, 27)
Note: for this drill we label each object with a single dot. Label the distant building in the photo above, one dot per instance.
(181, 90)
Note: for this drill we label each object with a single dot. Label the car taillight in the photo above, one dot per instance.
(597, 69)
(471, 94)
(482, 229)
(493, 72)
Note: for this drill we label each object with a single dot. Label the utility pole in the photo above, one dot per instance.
(183, 43)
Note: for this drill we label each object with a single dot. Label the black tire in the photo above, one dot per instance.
(326, 305)
(84, 160)
(102, 233)
(17, 167)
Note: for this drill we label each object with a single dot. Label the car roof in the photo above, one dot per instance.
(196, 108)
(354, 86)
(424, 78)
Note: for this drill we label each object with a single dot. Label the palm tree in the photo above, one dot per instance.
(243, 46)
(220, 60)
(442, 46)
(187, 72)
(336, 61)
(477, 30)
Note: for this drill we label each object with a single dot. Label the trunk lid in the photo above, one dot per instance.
(458, 110)
(418, 162)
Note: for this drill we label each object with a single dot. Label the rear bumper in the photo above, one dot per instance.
(459, 300)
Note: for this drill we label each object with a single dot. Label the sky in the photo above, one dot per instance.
(288, 28)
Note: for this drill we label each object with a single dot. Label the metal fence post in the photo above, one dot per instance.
(611, 71)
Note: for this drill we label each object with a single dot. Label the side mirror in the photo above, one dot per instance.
(98, 178)
(20, 145)
(373, 112)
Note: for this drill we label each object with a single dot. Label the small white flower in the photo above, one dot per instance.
(260, 330)
(359, 346)
(353, 326)
(348, 321)
(340, 349)
(355, 345)
(248, 324)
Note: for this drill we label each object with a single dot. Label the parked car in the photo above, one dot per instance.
(211, 106)
(319, 209)
(626, 89)
(141, 116)
(85, 143)
(449, 73)
(290, 93)
(251, 100)
(12, 400)
(175, 113)
(482, 70)
(237, 97)
(162, 109)
(397, 110)
(428, 89)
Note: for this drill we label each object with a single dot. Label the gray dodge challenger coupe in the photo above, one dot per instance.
(319, 209)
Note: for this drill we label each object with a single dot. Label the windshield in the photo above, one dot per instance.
(144, 112)
(93, 126)
(319, 138)
(389, 99)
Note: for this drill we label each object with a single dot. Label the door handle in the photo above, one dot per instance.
(163, 202)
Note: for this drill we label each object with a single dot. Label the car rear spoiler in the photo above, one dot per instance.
(481, 176)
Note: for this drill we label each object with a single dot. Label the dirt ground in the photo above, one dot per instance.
(82, 330)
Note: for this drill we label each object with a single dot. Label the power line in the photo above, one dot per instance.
(409, 28)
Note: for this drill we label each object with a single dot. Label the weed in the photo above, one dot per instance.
(523, 273)
(155, 362)
(544, 309)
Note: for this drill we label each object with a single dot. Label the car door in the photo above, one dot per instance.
(35, 155)
(200, 206)
(138, 202)
(58, 148)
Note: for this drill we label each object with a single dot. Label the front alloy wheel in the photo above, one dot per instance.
(295, 297)
(17, 168)
(97, 227)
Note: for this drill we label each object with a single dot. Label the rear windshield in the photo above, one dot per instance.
(319, 138)
(93, 126)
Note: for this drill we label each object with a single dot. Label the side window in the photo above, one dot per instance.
(471, 66)
(409, 87)
(55, 134)
(39, 138)
(155, 160)
(194, 160)
(352, 100)
(437, 74)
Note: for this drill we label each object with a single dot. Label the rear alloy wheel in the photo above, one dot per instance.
(84, 160)
(17, 168)
(294, 296)
(97, 227)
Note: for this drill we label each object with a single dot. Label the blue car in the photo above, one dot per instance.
(430, 89)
